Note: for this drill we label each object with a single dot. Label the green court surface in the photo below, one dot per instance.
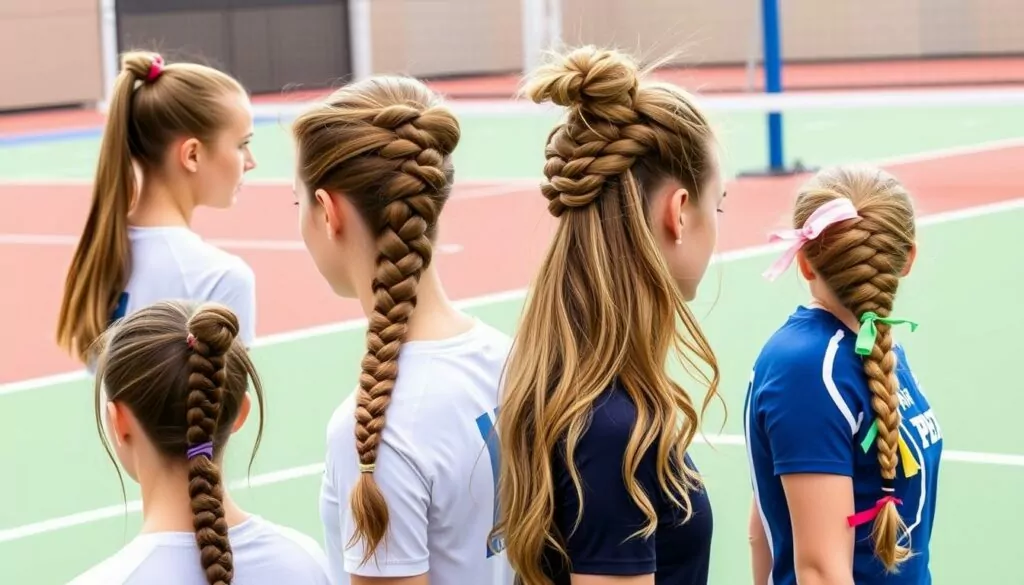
(65, 510)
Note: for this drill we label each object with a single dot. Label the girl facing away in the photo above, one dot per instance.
(176, 137)
(844, 447)
(173, 379)
(596, 486)
(408, 493)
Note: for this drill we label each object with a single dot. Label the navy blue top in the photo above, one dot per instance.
(678, 554)
(808, 409)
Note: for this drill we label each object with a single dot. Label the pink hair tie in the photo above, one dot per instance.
(191, 340)
(155, 68)
(839, 209)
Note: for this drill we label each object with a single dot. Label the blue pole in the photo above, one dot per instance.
(773, 78)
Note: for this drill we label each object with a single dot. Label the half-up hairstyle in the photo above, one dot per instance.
(151, 106)
(861, 261)
(604, 305)
(385, 144)
(183, 373)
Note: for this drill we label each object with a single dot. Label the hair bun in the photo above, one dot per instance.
(601, 81)
(215, 327)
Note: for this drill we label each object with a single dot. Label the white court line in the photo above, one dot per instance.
(312, 470)
(45, 382)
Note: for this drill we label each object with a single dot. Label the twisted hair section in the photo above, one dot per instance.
(603, 306)
(861, 260)
(386, 145)
(146, 113)
(183, 373)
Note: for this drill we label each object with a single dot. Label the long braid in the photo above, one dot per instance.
(211, 334)
(405, 251)
(861, 260)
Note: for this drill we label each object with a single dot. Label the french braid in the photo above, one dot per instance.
(861, 261)
(386, 144)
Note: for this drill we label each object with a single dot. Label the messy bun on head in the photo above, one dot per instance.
(604, 305)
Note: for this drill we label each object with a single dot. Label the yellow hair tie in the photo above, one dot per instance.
(367, 467)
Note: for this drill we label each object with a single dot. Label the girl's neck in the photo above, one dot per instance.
(159, 204)
(838, 311)
(167, 507)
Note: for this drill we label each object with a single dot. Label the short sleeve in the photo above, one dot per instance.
(806, 405)
(407, 493)
(604, 543)
(236, 290)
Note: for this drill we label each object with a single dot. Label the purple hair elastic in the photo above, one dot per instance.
(201, 448)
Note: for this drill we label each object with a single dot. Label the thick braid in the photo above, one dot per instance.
(405, 251)
(604, 133)
(211, 333)
(861, 261)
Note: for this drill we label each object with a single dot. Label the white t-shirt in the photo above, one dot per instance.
(434, 467)
(264, 554)
(173, 262)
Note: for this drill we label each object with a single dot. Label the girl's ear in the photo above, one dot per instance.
(243, 413)
(333, 213)
(910, 260)
(805, 267)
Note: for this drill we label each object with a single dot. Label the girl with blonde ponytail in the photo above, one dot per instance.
(176, 138)
(844, 447)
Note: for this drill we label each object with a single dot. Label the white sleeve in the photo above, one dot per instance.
(236, 289)
(404, 552)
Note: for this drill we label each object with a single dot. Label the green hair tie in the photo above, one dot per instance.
(868, 331)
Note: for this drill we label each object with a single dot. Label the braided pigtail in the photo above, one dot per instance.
(212, 331)
(862, 259)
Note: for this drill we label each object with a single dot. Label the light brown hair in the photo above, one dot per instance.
(385, 143)
(603, 305)
(861, 261)
(144, 117)
(184, 393)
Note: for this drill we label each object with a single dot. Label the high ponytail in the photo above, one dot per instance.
(99, 269)
(151, 105)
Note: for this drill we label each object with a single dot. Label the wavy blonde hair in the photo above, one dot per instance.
(861, 261)
(603, 305)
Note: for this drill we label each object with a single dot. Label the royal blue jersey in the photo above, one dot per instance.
(807, 411)
(603, 543)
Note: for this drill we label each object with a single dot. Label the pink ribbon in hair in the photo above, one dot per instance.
(839, 209)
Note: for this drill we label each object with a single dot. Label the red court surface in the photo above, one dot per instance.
(492, 239)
